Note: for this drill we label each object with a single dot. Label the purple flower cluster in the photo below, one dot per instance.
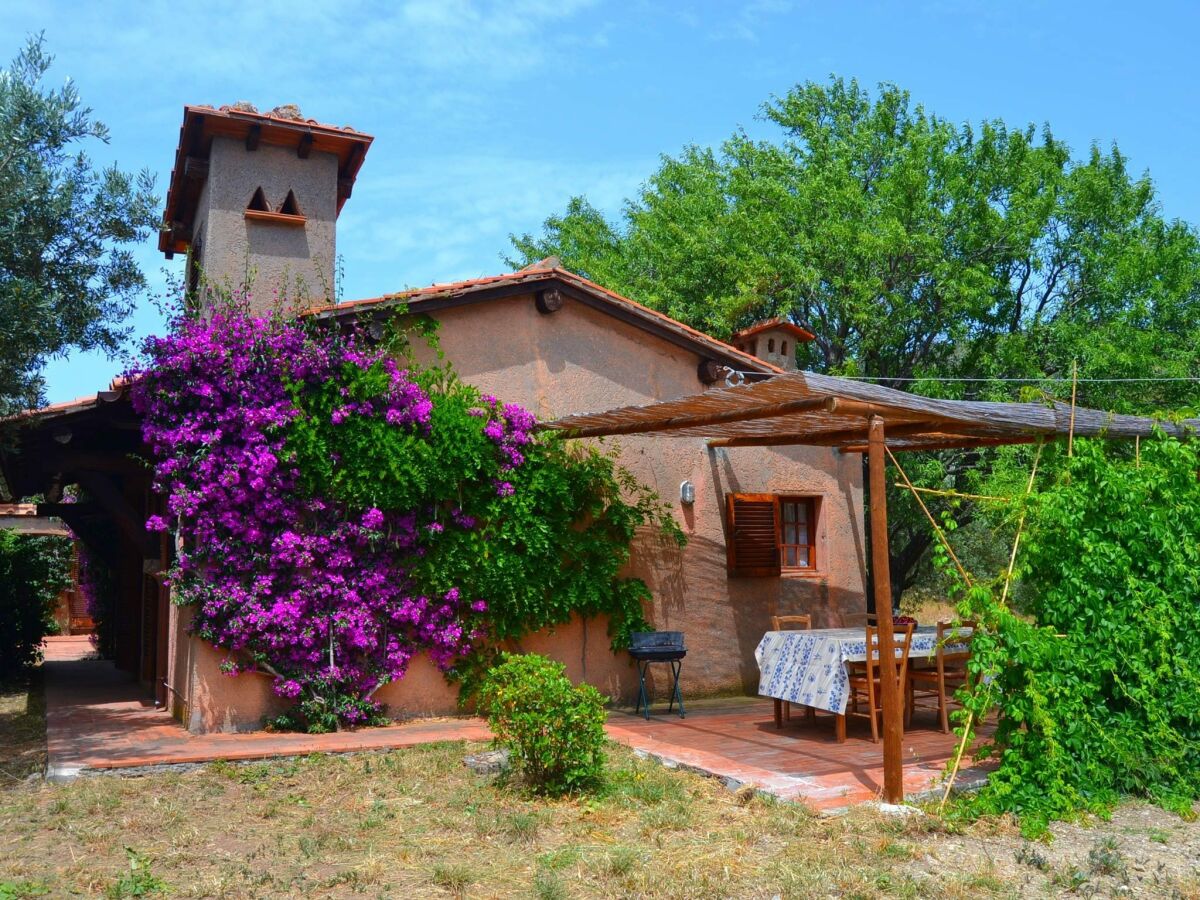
(510, 428)
(302, 587)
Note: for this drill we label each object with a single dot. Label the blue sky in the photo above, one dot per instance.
(488, 116)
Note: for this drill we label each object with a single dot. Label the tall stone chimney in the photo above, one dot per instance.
(254, 200)
(772, 341)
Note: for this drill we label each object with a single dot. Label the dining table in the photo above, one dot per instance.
(812, 667)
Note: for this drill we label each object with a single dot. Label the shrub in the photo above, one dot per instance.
(33, 570)
(1099, 697)
(553, 729)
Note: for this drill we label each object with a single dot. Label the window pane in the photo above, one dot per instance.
(789, 556)
(801, 534)
(802, 511)
(789, 512)
(802, 555)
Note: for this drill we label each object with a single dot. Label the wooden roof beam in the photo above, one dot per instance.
(965, 442)
(825, 438)
(699, 420)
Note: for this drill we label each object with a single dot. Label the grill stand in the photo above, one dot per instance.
(676, 694)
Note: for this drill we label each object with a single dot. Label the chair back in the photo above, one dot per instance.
(791, 623)
(859, 620)
(951, 633)
(902, 638)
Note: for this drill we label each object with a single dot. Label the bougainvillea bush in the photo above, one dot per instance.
(342, 509)
(1097, 697)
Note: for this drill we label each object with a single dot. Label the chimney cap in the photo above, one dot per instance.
(775, 324)
(283, 126)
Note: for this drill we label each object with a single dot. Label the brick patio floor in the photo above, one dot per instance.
(736, 739)
(99, 719)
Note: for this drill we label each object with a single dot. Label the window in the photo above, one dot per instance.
(771, 533)
(797, 546)
(783, 348)
(771, 345)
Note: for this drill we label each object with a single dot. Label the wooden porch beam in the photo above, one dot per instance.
(822, 438)
(699, 420)
(891, 698)
(113, 502)
(966, 443)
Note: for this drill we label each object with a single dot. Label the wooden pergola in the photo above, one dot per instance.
(856, 417)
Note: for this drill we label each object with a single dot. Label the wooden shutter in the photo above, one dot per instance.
(752, 545)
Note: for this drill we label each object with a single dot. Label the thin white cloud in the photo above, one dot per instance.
(427, 219)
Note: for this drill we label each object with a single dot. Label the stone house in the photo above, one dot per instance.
(772, 530)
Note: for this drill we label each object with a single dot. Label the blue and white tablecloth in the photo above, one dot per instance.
(809, 667)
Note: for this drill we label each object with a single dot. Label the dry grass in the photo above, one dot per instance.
(417, 823)
(22, 729)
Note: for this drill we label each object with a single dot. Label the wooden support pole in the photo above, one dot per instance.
(1074, 387)
(893, 715)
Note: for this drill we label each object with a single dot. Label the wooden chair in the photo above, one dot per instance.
(867, 684)
(859, 620)
(947, 675)
(783, 709)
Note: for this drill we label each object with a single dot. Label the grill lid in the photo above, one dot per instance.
(657, 645)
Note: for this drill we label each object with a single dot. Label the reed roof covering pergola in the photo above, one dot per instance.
(824, 410)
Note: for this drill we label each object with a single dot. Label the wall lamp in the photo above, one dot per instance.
(687, 493)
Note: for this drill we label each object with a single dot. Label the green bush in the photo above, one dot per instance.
(1099, 697)
(553, 729)
(33, 570)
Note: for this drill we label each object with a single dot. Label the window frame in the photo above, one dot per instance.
(812, 506)
(739, 567)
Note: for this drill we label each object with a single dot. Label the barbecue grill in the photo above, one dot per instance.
(658, 646)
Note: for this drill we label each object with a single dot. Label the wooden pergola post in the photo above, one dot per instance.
(893, 715)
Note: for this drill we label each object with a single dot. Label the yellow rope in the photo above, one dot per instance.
(959, 494)
(1012, 561)
(936, 527)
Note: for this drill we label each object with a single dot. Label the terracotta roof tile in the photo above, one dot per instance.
(801, 333)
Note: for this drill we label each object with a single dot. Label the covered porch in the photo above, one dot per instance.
(853, 417)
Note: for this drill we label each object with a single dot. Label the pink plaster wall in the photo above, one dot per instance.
(581, 360)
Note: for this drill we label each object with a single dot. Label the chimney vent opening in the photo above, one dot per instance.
(258, 202)
(290, 206)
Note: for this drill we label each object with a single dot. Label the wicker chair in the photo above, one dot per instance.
(947, 675)
(867, 684)
(783, 709)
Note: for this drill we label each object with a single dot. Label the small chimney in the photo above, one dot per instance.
(254, 200)
(772, 341)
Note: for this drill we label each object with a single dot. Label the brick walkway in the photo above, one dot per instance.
(98, 719)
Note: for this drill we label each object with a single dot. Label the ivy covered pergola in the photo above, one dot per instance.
(809, 409)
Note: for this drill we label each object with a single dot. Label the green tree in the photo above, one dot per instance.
(912, 248)
(33, 571)
(67, 279)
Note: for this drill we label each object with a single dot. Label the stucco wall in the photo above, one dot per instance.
(283, 260)
(579, 360)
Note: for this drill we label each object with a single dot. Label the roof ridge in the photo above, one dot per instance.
(533, 273)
